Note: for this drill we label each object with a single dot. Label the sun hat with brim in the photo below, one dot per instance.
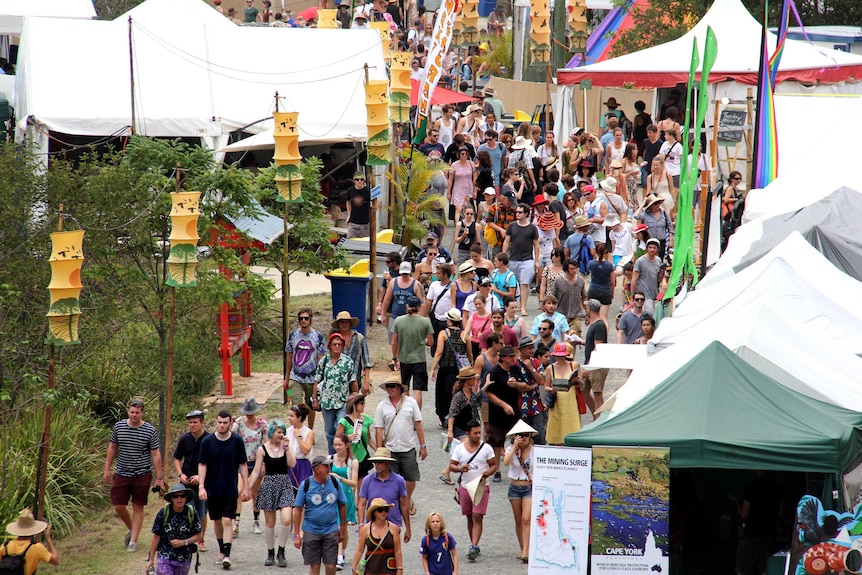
(249, 406)
(651, 200)
(609, 185)
(466, 268)
(521, 427)
(549, 221)
(393, 379)
(180, 488)
(382, 454)
(560, 350)
(454, 314)
(352, 399)
(354, 321)
(27, 525)
(611, 220)
(612, 103)
(540, 200)
(521, 142)
(616, 164)
(582, 221)
(377, 503)
(466, 373)
(640, 228)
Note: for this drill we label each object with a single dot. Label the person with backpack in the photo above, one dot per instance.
(176, 531)
(320, 517)
(438, 548)
(580, 246)
(21, 556)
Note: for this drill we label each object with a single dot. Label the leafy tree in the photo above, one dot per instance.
(415, 204)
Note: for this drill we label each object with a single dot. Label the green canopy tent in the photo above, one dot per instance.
(717, 411)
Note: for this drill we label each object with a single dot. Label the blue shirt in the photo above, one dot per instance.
(321, 505)
(391, 490)
(561, 324)
(496, 153)
(503, 281)
(573, 244)
(439, 552)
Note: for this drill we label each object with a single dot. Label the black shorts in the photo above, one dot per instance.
(603, 297)
(219, 507)
(418, 372)
(365, 467)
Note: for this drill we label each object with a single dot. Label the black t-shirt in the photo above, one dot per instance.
(188, 451)
(598, 331)
(521, 243)
(451, 154)
(499, 387)
(360, 205)
(469, 239)
(651, 151)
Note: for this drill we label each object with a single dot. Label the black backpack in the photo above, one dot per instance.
(13, 564)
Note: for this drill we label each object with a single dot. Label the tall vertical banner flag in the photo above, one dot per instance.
(765, 130)
(631, 510)
(560, 517)
(67, 257)
(442, 36)
(683, 251)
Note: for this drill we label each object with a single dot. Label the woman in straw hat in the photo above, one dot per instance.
(659, 222)
(357, 426)
(33, 553)
(176, 530)
(562, 384)
(466, 405)
(452, 354)
(519, 460)
(379, 541)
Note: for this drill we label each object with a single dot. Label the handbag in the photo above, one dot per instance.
(469, 461)
(460, 359)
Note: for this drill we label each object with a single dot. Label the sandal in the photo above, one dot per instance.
(446, 480)
(412, 508)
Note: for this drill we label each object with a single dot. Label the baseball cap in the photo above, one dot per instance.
(405, 268)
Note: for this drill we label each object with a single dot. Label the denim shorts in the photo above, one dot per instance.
(517, 492)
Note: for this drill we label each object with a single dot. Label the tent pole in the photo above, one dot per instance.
(132, 76)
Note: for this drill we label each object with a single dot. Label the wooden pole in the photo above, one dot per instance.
(132, 76)
(372, 245)
(548, 78)
(169, 401)
(45, 440)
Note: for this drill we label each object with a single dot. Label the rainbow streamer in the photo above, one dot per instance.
(766, 133)
(779, 46)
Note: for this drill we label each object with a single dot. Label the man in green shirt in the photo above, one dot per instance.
(250, 12)
(411, 333)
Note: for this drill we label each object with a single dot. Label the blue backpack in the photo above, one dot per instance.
(583, 256)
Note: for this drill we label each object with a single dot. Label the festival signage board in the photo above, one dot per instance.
(560, 518)
(631, 506)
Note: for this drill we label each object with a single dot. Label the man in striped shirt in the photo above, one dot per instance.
(135, 445)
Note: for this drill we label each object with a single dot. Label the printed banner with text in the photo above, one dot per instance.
(560, 520)
(631, 504)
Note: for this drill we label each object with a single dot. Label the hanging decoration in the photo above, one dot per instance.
(577, 21)
(384, 28)
(469, 23)
(399, 87)
(288, 179)
(183, 259)
(67, 257)
(377, 110)
(327, 18)
(540, 33)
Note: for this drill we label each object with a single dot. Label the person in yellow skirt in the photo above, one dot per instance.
(562, 382)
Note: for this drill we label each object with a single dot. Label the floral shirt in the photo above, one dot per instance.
(334, 380)
(529, 402)
(176, 527)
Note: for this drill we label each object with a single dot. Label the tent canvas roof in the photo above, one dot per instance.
(717, 411)
(12, 12)
(739, 38)
(195, 74)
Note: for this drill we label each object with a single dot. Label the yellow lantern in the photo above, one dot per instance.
(399, 87)
(377, 110)
(288, 179)
(385, 38)
(540, 33)
(470, 23)
(327, 18)
(577, 21)
(67, 257)
(183, 259)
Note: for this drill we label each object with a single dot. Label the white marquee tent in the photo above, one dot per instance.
(12, 12)
(196, 74)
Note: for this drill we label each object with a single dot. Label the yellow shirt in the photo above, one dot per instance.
(37, 554)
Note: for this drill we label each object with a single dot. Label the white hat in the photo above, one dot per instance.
(405, 268)
(521, 427)
(489, 191)
(609, 185)
(611, 220)
(521, 142)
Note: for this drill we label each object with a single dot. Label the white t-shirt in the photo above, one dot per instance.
(445, 303)
(516, 472)
(624, 241)
(402, 436)
(478, 466)
(672, 157)
(471, 307)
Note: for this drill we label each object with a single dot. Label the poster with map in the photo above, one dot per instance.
(631, 505)
(560, 529)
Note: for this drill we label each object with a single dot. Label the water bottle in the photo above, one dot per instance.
(358, 429)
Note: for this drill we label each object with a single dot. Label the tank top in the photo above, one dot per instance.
(275, 465)
(617, 153)
(455, 342)
(381, 560)
(292, 434)
(560, 382)
(400, 296)
(487, 366)
(461, 296)
(447, 133)
(469, 129)
(470, 239)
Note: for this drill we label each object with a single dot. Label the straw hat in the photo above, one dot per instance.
(351, 401)
(549, 221)
(466, 268)
(382, 454)
(454, 314)
(393, 379)
(521, 142)
(354, 321)
(521, 427)
(582, 221)
(27, 525)
(616, 164)
(377, 503)
(466, 373)
(651, 200)
(609, 185)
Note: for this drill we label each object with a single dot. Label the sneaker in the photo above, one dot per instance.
(497, 477)
(127, 538)
(473, 553)
(202, 547)
(339, 563)
(478, 551)
(219, 559)
(225, 563)
(132, 547)
(235, 528)
(255, 528)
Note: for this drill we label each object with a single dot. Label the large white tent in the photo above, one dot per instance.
(13, 12)
(195, 74)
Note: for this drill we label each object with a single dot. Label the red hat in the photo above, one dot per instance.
(640, 228)
(549, 221)
(588, 189)
(540, 200)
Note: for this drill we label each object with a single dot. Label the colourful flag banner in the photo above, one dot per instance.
(765, 168)
(442, 36)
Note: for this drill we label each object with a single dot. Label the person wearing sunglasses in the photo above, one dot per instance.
(305, 346)
(630, 328)
(334, 381)
(519, 460)
(358, 208)
(176, 530)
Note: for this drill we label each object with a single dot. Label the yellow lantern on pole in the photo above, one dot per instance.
(577, 21)
(67, 257)
(540, 33)
(399, 87)
(326, 18)
(288, 179)
(384, 28)
(183, 258)
(470, 23)
(377, 110)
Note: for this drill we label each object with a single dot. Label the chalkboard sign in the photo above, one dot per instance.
(731, 124)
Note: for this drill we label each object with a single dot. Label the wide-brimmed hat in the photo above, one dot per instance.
(393, 379)
(249, 406)
(382, 454)
(549, 221)
(561, 350)
(489, 91)
(475, 108)
(640, 228)
(27, 525)
(585, 164)
(521, 142)
(582, 221)
(377, 503)
(466, 268)
(612, 103)
(454, 314)
(611, 220)
(405, 268)
(609, 185)
(354, 321)
(521, 427)
(524, 342)
(466, 373)
(651, 200)
(540, 200)
(616, 164)
(351, 401)
(180, 488)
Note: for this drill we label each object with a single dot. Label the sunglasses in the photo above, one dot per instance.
(382, 510)
(358, 179)
(639, 299)
(392, 386)
(544, 329)
(522, 435)
(304, 318)
(179, 496)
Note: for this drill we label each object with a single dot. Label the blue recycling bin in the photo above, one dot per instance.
(486, 7)
(350, 292)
